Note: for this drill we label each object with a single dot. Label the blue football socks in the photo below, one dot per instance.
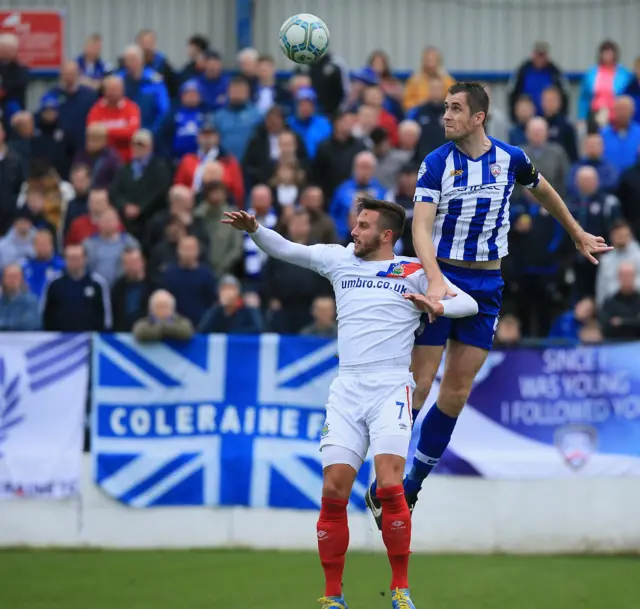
(435, 434)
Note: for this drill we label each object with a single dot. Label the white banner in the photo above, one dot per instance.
(43, 393)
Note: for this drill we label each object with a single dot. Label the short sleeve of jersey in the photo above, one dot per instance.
(525, 171)
(325, 259)
(429, 185)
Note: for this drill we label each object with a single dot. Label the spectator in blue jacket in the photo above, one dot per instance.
(197, 46)
(238, 120)
(622, 136)
(213, 83)
(534, 76)
(18, 307)
(633, 89)
(74, 100)
(92, 68)
(362, 182)
(146, 88)
(232, 315)
(44, 265)
(608, 175)
(156, 61)
(310, 126)
(184, 124)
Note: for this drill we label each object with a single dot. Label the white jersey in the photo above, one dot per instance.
(375, 323)
(472, 195)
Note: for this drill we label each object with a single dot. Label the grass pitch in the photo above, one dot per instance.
(293, 580)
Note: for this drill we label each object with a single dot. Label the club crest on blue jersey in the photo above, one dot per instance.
(495, 170)
(400, 269)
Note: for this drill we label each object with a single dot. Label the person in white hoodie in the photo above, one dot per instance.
(17, 244)
(625, 249)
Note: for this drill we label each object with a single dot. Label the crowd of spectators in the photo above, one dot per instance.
(112, 189)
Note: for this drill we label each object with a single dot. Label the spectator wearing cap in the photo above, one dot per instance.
(192, 284)
(44, 265)
(621, 136)
(269, 92)
(309, 125)
(21, 140)
(593, 156)
(18, 307)
(225, 246)
(131, 291)
(231, 315)
(334, 159)
(14, 77)
(561, 131)
(534, 76)
(601, 84)
(50, 140)
(185, 121)
(213, 83)
(140, 187)
(330, 79)
(197, 46)
(147, 40)
(17, 244)
(92, 68)
(75, 101)
(119, 115)
(363, 180)
(162, 323)
(181, 205)
(430, 117)
(237, 121)
(271, 142)
(633, 89)
(76, 300)
(390, 159)
(101, 160)
(146, 88)
(104, 249)
(209, 150)
(416, 91)
(12, 174)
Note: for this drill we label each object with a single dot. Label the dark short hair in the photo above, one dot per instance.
(199, 41)
(392, 215)
(477, 97)
(379, 135)
(239, 79)
(620, 224)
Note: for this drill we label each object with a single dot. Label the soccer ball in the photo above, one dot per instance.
(304, 38)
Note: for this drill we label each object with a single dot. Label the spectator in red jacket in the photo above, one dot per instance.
(118, 114)
(190, 169)
(86, 226)
(373, 96)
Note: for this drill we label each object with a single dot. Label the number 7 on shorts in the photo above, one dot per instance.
(401, 404)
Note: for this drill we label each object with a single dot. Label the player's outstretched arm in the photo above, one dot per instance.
(586, 244)
(458, 305)
(270, 242)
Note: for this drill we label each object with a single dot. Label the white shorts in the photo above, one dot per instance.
(369, 408)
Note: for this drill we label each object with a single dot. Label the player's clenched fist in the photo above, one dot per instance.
(240, 220)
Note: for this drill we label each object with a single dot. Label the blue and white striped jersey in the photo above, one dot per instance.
(472, 221)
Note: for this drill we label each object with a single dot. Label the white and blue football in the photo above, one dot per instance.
(304, 38)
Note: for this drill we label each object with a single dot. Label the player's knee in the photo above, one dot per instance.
(451, 399)
(337, 482)
(389, 470)
(424, 380)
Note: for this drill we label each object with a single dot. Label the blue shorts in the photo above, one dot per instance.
(478, 331)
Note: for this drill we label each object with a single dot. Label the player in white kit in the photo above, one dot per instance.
(379, 298)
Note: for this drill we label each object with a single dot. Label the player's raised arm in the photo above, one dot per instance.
(269, 241)
(425, 207)
(545, 194)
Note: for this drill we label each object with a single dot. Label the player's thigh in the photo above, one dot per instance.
(425, 361)
(389, 423)
(344, 426)
(462, 364)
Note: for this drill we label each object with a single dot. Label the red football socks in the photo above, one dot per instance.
(333, 541)
(396, 533)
